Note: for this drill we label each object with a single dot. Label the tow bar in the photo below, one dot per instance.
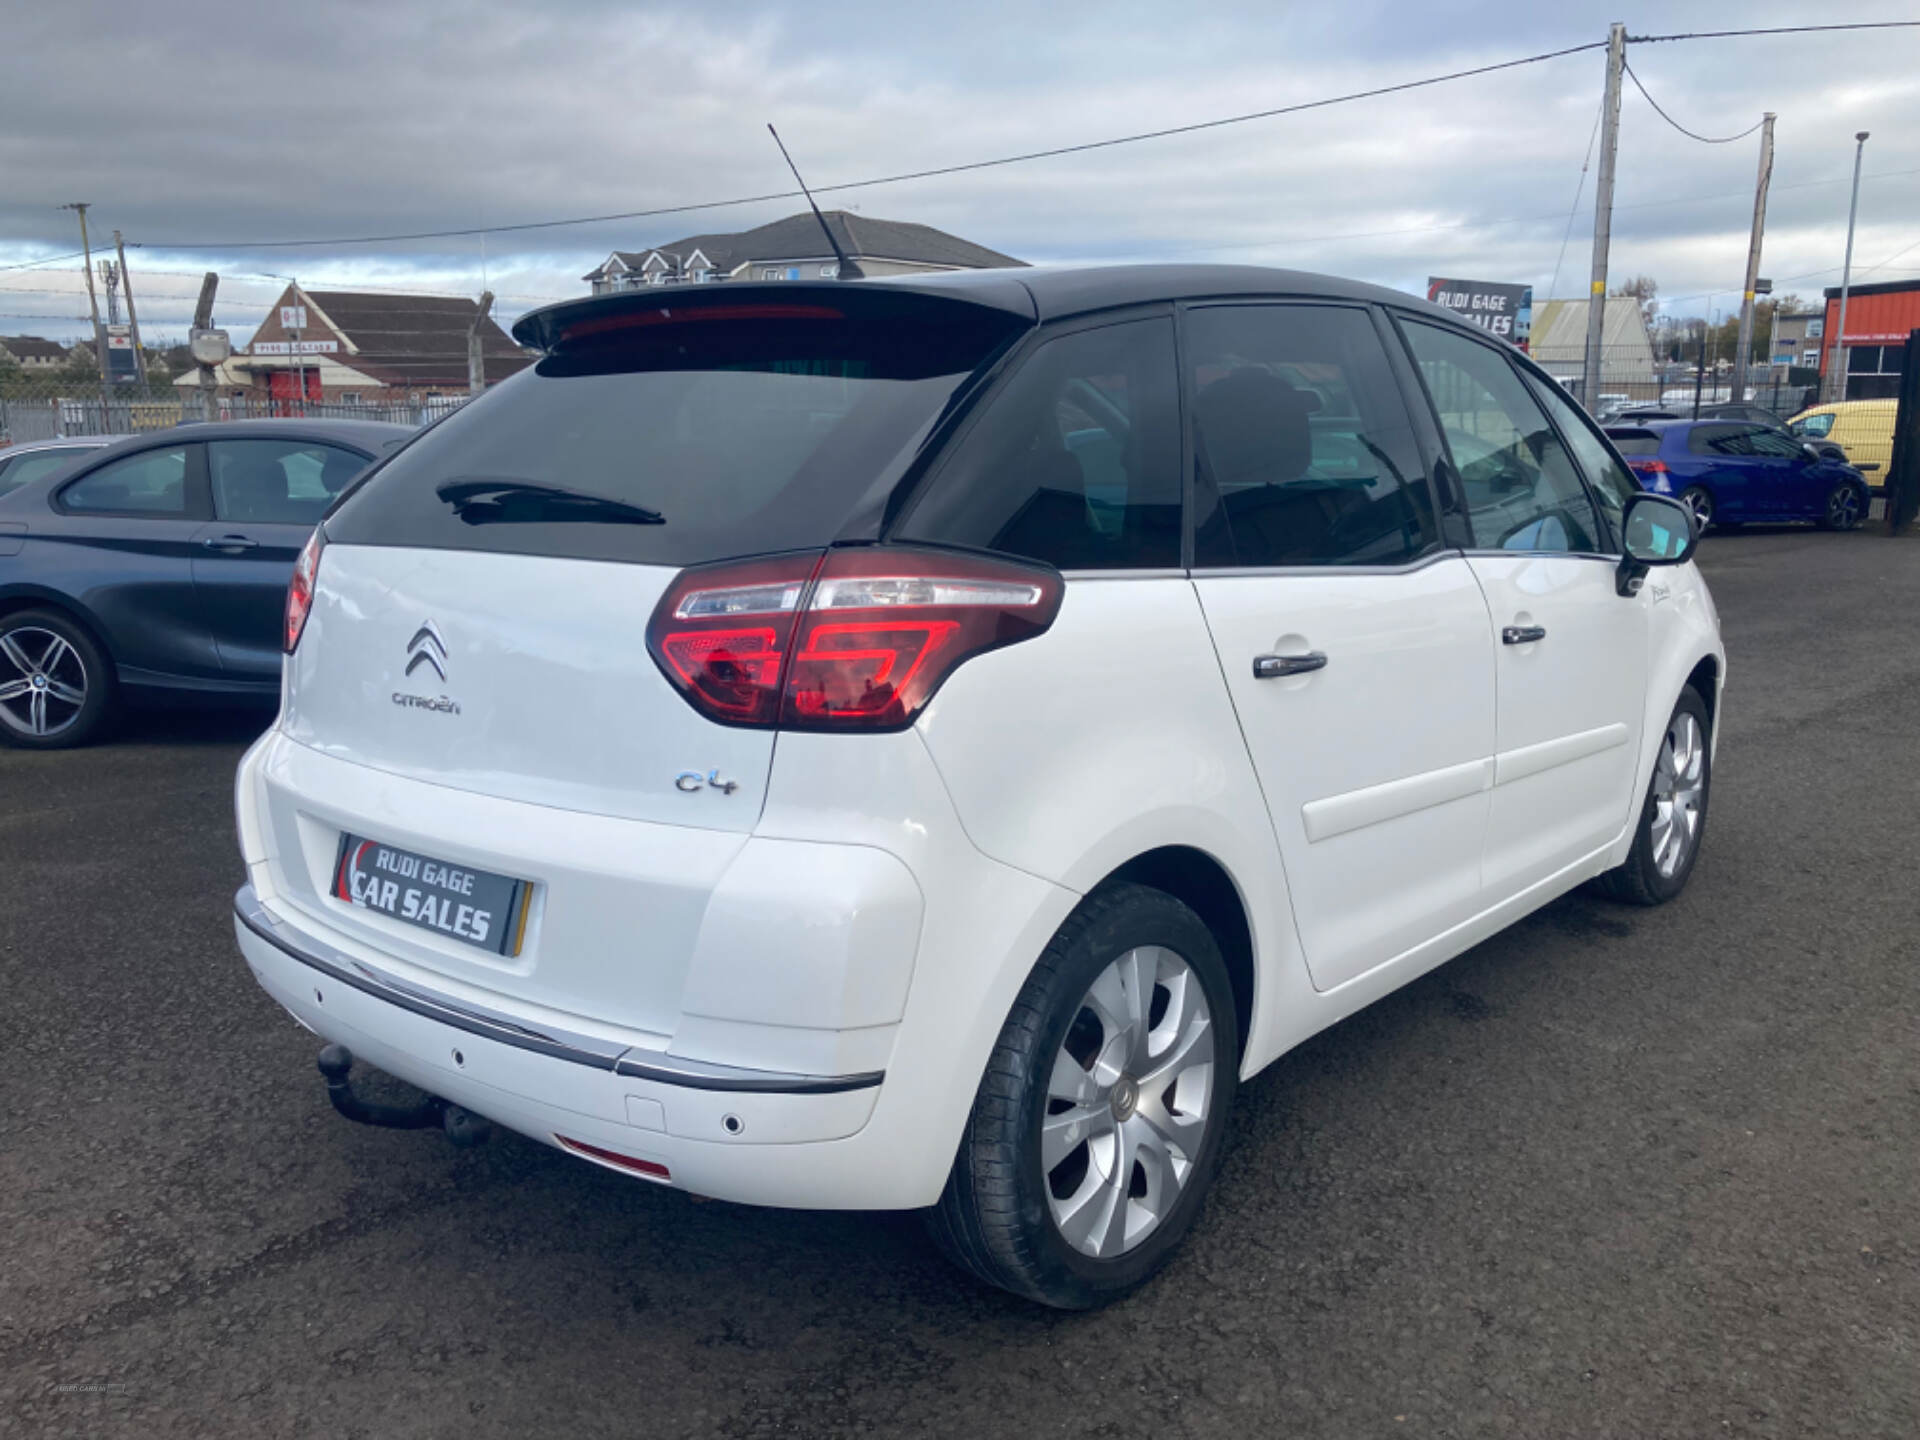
(462, 1126)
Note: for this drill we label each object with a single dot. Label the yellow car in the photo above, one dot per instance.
(1863, 428)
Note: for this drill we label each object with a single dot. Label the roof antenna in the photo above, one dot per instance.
(848, 269)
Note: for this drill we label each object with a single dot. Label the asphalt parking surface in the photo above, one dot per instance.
(1614, 1172)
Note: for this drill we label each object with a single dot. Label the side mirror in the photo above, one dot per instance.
(1657, 531)
(1810, 450)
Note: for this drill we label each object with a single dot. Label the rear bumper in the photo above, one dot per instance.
(758, 1137)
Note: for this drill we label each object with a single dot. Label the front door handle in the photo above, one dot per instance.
(1272, 667)
(1522, 634)
(230, 542)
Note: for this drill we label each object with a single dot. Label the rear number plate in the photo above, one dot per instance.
(469, 905)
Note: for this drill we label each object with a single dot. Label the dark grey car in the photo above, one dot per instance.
(157, 568)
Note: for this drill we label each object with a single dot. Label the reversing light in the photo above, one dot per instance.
(300, 589)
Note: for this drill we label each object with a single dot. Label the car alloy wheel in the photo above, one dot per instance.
(1843, 508)
(43, 682)
(1128, 1102)
(1701, 503)
(1679, 785)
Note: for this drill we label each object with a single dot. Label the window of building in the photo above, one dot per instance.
(1817, 329)
(1076, 461)
(1521, 488)
(1304, 448)
(830, 272)
(770, 273)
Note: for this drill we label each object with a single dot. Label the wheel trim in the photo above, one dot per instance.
(1679, 788)
(43, 682)
(1129, 1101)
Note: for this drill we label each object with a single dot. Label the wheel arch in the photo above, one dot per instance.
(16, 598)
(1200, 882)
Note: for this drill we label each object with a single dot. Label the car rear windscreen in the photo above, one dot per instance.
(675, 438)
(1635, 442)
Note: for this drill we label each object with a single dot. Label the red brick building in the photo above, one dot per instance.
(372, 348)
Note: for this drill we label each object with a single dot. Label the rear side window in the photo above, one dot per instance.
(1076, 461)
(1305, 451)
(153, 482)
(678, 437)
(288, 482)
(1722, 440)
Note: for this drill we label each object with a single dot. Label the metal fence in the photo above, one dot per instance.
(42, 409)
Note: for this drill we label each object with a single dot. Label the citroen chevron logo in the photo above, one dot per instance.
(427, 648)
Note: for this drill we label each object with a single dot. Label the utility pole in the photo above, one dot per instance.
(476, 361)
(93, 303)
(1836, 387)
(206, 344)
(1603, 215)
(1739, 393)
(133, 320)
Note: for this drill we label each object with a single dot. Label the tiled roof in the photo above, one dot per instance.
(798, 236)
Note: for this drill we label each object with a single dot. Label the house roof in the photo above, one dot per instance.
(1560, 329)
(798, 237)
(32, 347)
(415, 339)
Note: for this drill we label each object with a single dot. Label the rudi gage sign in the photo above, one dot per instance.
(1503, 310)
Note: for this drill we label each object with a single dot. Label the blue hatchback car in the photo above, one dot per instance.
(1731, 472)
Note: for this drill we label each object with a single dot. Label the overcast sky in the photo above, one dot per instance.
(193, 126)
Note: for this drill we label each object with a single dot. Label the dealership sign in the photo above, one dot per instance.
(1503, 310)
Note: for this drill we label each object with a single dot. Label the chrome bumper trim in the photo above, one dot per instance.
(559, 1044)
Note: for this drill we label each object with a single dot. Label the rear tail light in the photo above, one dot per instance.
(857, 639)
(1649, 467)
(300, 591)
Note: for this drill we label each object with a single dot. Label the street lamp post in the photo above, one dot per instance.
(1836, 354)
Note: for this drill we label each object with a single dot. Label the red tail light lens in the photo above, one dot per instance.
(1648, 467)
(300, 591)
(721, 634)
(859, 639)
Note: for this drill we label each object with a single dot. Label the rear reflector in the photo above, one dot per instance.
(306, 571)
(652, 1169)
(856, 639)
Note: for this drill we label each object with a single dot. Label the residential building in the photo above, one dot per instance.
(795, 249)
(1879, 319)
(1627, 370)
(33, 353)
(369, 347)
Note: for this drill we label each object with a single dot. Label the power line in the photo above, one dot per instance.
(36, 264)
(1574, 209)
(1703, 139)
(1022, 158)
(1774, 30)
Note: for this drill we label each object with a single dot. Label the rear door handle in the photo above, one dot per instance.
(1522, 634)
(1272, 667)
(230, 542)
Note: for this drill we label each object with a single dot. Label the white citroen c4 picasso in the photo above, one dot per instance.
(922, 743)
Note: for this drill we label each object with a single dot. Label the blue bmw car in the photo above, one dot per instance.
(1731, 472)
(156, 569)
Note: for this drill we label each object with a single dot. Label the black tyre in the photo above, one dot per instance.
(1846, 507)
(56, 685)
(1699, 499)
(1673, 821)
(1098, 1123)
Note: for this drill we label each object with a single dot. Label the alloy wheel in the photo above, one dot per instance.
(43, 682)
(1701, 503)
(1129, 1101)
(1679, 786)
(1843, 508)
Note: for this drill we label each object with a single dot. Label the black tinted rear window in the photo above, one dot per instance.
(677, 439)
(1635, 442)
